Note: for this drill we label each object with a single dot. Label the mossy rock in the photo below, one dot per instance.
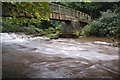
(68, 36)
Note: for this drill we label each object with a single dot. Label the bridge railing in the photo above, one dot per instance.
(68, 11)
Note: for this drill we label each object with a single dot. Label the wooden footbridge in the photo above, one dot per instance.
(71, 19)
(59, 12)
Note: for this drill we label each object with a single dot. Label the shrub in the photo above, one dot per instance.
(8, 26)
(107, 25)
(86, 30)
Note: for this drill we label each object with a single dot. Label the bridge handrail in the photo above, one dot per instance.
(68, 11)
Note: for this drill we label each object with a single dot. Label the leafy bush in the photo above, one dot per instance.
(32, 30)
(9, 26)
(86, 30)
(50, 28)
(107, 25)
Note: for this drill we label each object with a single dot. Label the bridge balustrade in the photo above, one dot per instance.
(68, 11)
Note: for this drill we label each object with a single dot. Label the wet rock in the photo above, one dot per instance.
(68, 36)
(54, 38)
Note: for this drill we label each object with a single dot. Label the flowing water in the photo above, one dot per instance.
(39, 57)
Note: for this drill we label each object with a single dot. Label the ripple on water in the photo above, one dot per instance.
(59, 59)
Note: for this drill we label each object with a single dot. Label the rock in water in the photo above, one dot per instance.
(54, 38)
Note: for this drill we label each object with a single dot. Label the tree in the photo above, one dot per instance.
(19, 11)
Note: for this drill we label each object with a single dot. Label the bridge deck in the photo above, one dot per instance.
(60, 12)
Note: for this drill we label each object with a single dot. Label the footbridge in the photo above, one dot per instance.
(59, 12)
(71, 19)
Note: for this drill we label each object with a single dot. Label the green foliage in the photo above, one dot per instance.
(52, 28)
(95, 27)
(86, 30)
(33, 9)
(24, 16)
(94, 9)
(33, 30)
(9, 26)
(25, 11)
(107, 25)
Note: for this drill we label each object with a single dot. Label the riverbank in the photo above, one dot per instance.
(100, 40)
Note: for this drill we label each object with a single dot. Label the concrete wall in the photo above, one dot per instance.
(70, 26)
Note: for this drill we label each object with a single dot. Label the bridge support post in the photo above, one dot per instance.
(70, 28)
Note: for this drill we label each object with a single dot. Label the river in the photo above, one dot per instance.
(24, 56)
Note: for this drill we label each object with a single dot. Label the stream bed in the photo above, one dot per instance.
(24, 56)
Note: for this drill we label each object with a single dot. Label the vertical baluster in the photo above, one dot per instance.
(83, 16)
(69, 12)
(57, 8)
(86, 16)
(53, 7)
(66, 11)
(77, 14)
(72, 13)
(63, 10)
(59, 11)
